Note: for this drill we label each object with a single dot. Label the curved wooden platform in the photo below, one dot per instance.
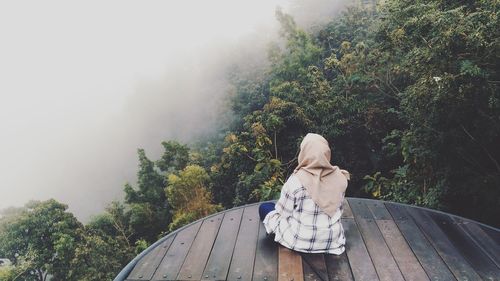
(385, 241)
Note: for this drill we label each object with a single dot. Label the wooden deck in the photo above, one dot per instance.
(385, 241)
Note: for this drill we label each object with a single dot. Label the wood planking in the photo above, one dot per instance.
(450, 255)
(487, 244)
(359, 209)
(401, 251)
(317, 264)
(346, 213)
(338, 267)
(289, 265)
(196, 259)
(405, 258)
(469, 249)
(493, 234)
(386, 266)
(430, 260)
(172, 262)
(424, 244)
(359, 259)
(266, 257)
(398, 212)
(222, 252)
(242, 263)
(146, 267)
(309, 273)
(378, 210)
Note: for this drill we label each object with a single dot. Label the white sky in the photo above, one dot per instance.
(83, 85)
(68, 74)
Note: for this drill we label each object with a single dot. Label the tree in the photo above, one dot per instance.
(41, 239)
(174, 158)
(189, 197)
(147, 211)
(99, 257)
(449, 54)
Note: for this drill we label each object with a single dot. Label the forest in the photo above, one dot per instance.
(406, 92)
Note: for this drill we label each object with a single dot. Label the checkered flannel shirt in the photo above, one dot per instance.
(299, 224)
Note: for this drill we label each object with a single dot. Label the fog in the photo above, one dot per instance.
(83, 85)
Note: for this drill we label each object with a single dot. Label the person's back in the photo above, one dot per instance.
(299, 224)
(298, 221)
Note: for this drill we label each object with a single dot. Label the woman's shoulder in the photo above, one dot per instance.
(344, 172)
(293, 183)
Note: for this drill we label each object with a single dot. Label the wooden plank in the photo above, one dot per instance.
(346, 209)
(338, 268)
(317, 264)
(404, 257)
(220, 257)
(172, 262)
(242, 263)
(266, 257)
(450, 255)
(430, 260)
(488, 245)
(147, 266)
(398, 212)
(494, 234)
(289, 265)
(469, 249)
(309, 273)
(378, 210)
(196, 259)
(359, 260)
(359, 209)
(385, 265)
(406, 260)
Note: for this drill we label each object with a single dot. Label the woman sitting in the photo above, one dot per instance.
(306, 217)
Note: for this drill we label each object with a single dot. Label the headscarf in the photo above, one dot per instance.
(324, 183)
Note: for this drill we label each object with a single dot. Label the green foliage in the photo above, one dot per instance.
(175, 157)
(147, 213)
(150, 183)
(450, 55)
(99, 257)
(406, 92)
(189, 197)
(40, 239)
(400, 189)
(7, 273)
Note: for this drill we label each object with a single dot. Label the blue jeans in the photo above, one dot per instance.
(264, 209)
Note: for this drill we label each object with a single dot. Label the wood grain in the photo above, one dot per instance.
(467, 247)
(386, 266)
(289, 265)
(338, 268)
(196, 259)
(428, 257)
(359, 259)
(451, 256)
(317, 264)
(172, 262)
(243, 260)
(147, 266)
(266, 257)
(222, 251)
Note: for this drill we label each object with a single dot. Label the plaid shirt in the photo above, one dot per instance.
(299, 224)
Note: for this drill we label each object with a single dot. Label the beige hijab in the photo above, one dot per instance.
(324, 183)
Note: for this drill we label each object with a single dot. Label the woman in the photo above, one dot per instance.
(306, 217)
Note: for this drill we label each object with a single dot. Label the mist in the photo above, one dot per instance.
(83, 85)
